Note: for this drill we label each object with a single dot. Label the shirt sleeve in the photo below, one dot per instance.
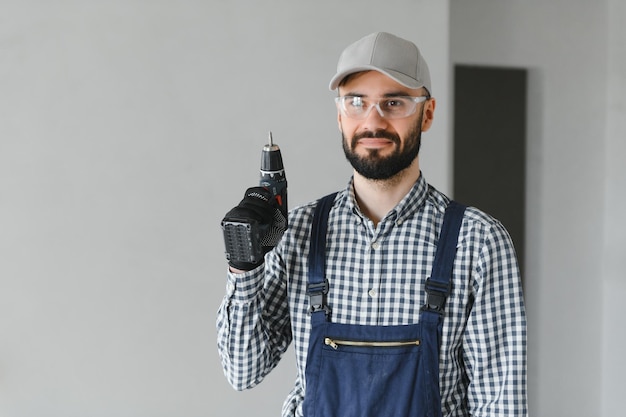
(253, 327)
(495, 338)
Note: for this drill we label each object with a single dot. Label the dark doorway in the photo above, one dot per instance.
(490, 144)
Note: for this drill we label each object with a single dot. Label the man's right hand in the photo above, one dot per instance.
(258, 208)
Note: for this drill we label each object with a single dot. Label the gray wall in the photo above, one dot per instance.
(613, 283)
(121, 148)
(575, 284)
(127, 129)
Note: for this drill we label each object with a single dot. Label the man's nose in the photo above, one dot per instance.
(374, 118)
(375, 108)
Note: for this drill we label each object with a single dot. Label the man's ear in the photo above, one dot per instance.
(428, 114)
(339, 121)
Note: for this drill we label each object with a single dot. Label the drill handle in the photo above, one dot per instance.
(278, 188)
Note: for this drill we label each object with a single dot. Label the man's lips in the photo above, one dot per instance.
(375, 142)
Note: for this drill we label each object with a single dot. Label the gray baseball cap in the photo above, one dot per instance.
(395, 57)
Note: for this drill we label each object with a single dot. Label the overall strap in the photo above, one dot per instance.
(439, 284)
(317, 284)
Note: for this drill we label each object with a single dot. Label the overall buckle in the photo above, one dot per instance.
(317, 297)
(436, 295)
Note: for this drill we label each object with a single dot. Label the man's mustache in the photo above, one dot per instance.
(379, 134)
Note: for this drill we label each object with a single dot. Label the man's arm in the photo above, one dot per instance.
(253, 327)
(495, 338)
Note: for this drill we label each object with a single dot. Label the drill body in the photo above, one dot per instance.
(246, 238)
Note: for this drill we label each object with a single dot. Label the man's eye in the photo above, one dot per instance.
(355, 102)
(393, 103)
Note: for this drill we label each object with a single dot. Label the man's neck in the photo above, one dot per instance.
(376, 198)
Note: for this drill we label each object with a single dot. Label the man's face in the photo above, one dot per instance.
(379, 148)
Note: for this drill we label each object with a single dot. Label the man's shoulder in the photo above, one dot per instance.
(473, 216)
(303, 213)
(309, 207)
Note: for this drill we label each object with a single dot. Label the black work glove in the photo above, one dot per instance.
(252, 228)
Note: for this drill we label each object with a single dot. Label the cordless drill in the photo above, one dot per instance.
(245, 238)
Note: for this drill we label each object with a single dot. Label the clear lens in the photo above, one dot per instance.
(357, 107)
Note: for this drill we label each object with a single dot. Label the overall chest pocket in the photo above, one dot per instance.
(370, 372)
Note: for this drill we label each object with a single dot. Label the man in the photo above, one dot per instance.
(375, 332)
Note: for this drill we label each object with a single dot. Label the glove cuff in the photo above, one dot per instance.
(245, 266)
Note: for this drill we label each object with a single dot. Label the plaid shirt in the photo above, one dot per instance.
(377, 277)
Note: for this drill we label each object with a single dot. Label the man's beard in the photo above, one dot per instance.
(376, 167)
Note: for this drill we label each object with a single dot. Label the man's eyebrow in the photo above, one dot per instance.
(386, 95)
(354, 94)
(396, 94)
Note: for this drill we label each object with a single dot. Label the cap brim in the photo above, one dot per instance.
(399, 77)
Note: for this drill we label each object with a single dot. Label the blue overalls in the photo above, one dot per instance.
(376, 371)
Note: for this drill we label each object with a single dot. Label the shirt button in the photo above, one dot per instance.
(372, 293)
(375, 245)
